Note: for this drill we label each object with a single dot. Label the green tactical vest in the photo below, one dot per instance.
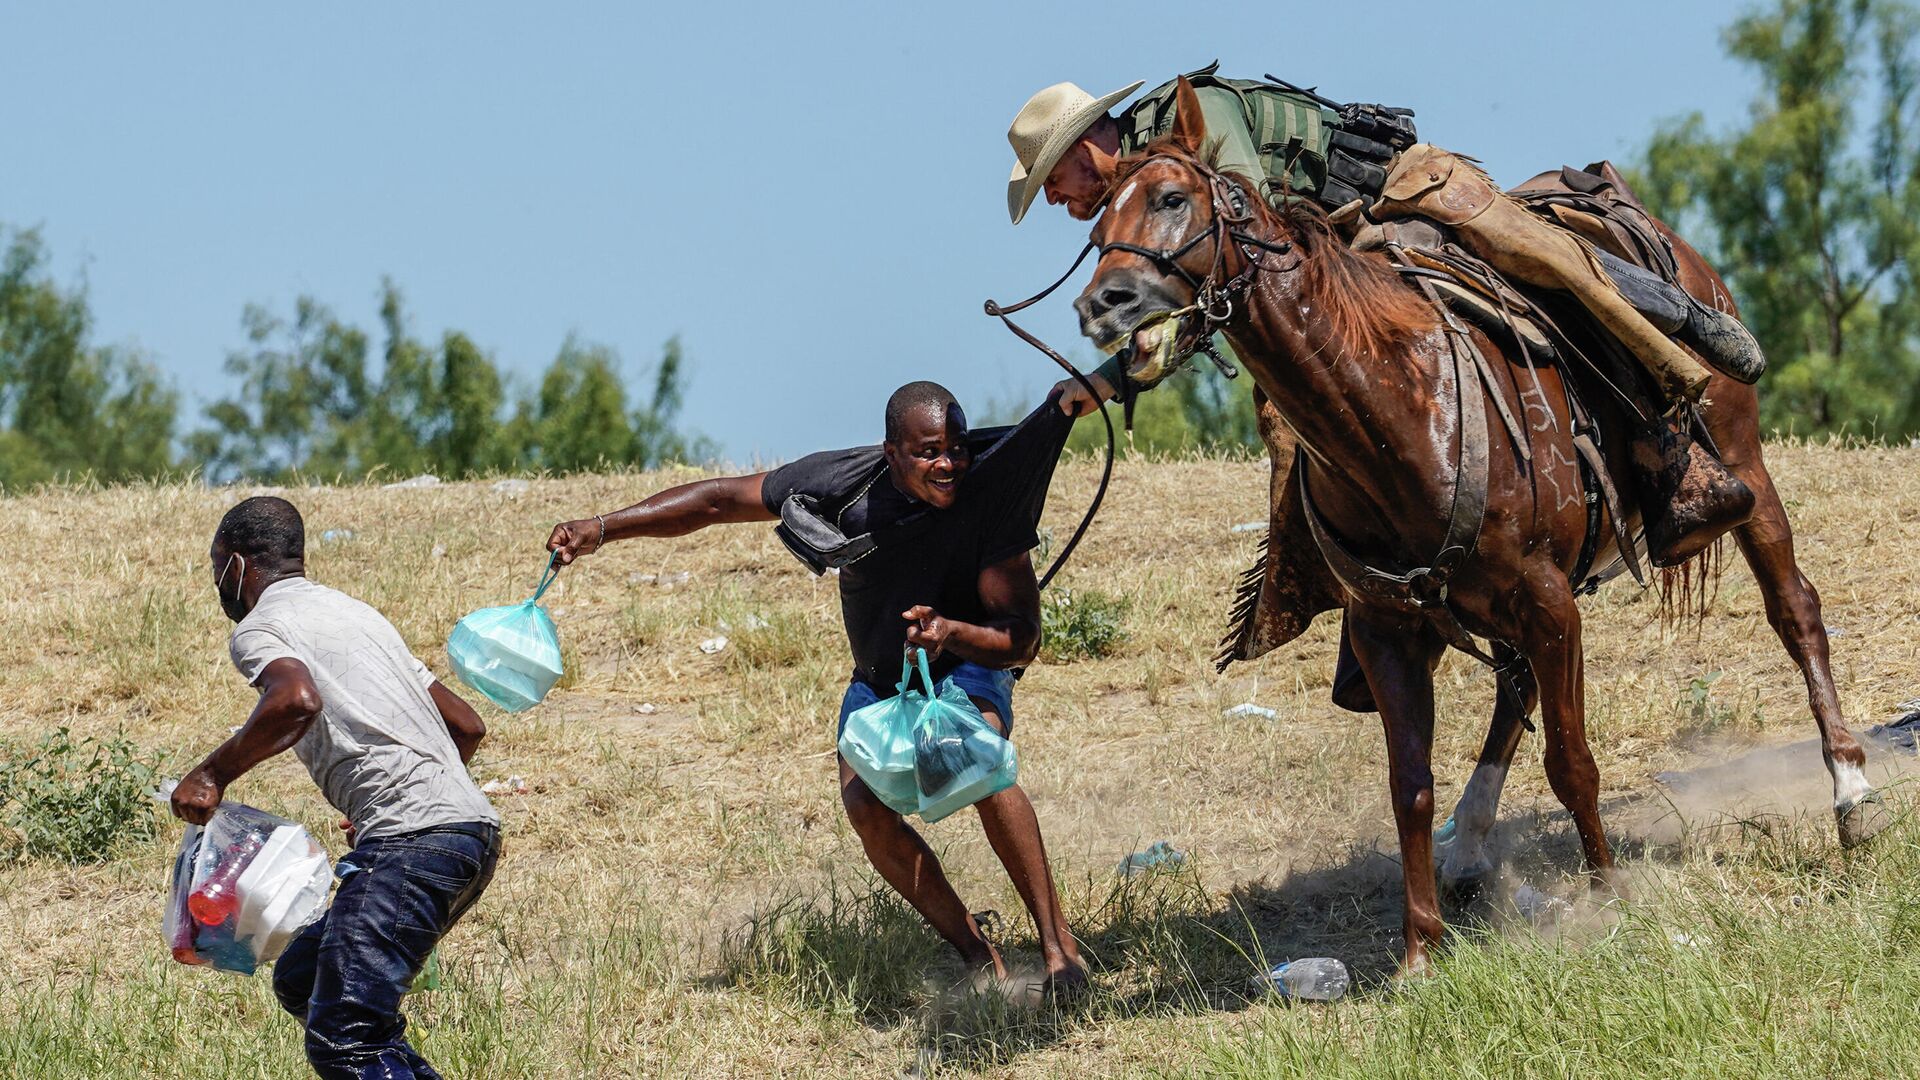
(1289, 132)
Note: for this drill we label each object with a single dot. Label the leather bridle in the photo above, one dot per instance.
(1230, 211)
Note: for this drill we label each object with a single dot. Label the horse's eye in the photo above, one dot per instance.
(1172, 200)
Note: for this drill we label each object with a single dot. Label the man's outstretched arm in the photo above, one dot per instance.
(676, 511)
(288, 704)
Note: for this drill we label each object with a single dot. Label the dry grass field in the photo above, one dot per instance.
(679, 894)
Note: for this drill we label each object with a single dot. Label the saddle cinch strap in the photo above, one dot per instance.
(1426, 588)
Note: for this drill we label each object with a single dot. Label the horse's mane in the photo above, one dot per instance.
(1364, 303)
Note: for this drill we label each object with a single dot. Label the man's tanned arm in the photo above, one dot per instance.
(1008, 637)
(288, 704)
(676, 511)
(464, 725)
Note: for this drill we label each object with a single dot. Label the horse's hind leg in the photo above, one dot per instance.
(1464, 861)
(1793, 607)
(1398, 656)
(1551, 642)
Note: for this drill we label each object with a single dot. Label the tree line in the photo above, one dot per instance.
(1810, 208)
(313, 396)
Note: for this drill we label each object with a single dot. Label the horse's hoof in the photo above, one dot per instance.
(1465, 885)
(1413, 969)
(1860, 821)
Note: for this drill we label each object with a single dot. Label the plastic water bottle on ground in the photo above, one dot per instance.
(1316, 978)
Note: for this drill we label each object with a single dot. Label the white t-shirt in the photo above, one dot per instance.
(379, 749)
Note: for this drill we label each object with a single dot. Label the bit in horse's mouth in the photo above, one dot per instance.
(1150, 348)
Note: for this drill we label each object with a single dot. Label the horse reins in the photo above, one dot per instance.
(1106, 470)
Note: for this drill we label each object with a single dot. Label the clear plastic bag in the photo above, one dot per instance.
(510, 654)
(243, 885)
(877, 742)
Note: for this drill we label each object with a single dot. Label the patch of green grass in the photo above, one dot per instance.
(1765, 964)
(1081, 624)
(774, 642)
(855, 953)
(74, 800)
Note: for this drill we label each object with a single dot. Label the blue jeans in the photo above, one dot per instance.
(344, 976)
(995, 687)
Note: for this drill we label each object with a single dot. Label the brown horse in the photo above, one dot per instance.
(1382, 409)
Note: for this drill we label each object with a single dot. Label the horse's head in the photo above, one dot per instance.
(1164, 248)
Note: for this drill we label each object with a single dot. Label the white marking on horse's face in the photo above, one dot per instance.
(1125, 194)
(1849, 784)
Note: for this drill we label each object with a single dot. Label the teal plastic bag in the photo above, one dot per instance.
(927, 753)
(958, 759)
(878, 742)
(510, 654)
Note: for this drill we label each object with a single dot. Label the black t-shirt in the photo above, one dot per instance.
(937, 562)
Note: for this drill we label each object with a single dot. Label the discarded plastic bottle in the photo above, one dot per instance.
(215, 900)
(1317, 978)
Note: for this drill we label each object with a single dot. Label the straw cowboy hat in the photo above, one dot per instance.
(1048, 123)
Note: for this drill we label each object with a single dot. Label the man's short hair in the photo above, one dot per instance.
(910, 399)
(264, 527)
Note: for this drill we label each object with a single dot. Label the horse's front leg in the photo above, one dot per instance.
(1398, 653)
(1551, 642)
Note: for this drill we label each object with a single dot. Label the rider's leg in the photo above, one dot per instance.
(1718, 337)
(1687, 498)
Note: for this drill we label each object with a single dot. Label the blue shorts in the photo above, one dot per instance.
(995, 687)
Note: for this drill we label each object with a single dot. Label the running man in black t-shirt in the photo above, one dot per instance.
(951, 574)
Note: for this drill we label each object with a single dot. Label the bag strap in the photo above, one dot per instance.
(546, 579)
(926, 676)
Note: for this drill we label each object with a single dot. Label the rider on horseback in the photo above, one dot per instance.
(1363, 165)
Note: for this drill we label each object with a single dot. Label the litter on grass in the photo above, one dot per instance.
(1160, 855)
(1903, 731)
(512, 785)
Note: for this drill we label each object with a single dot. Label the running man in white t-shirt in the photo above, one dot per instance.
(388, 745)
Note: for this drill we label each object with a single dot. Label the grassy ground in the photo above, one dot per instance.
(680, 895)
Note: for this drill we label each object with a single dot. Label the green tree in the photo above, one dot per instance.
(307, 404)
(1812, 209)
(472, 438)
(67, 407)
(582, 410)
(303, 388)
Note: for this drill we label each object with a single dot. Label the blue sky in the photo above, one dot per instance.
(812, 196)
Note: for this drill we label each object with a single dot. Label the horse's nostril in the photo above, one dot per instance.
(1113, 296)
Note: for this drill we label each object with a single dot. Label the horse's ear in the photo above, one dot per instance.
(1189, 126)
(1106, 165)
